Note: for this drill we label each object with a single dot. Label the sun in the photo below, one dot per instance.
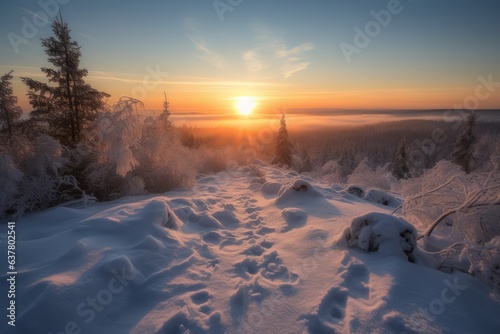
(246, 105)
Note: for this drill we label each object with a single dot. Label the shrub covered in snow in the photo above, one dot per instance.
(9, 180)
(330, 171)
(381, 233)
(484, 261)
(379, 177)
(470, 202)
(44, 184)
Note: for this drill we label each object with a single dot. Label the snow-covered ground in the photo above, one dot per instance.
(239, 253)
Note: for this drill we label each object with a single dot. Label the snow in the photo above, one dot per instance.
(356, 191)
(382, 197)
(382, 233)
(238, 255)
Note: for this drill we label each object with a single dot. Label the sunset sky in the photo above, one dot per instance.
(282, 53)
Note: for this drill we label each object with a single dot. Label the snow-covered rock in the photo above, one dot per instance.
(356, 191)
(381, 233)
(300, 188)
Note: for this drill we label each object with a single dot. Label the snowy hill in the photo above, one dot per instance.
(256, 250)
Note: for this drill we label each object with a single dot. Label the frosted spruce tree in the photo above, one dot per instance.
(69, 106)
(463, 155)
(283, 146)
(400, 165)
(9, 111)
(164, 118)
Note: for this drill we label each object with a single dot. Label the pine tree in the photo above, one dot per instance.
(463, 155)
(400, 163)
(9, 111)
(69, 106)
(283, 146)
(164, 117)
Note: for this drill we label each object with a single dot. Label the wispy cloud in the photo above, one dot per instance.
(207, 54)
(253, 61)
(88, 37)
(131, 78)
(295, 51)
(179, 81)
(290, 68)
(272, 53)
(23, 71)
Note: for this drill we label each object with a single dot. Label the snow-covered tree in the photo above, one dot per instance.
(9, 111)
(164, 118)
(400, 163)
(9, 180)
(69, 106)
(446, 194)
(164, 162)
(283, 146)
(119, 132)
(114, 139)
(464, 147)
(484, 261)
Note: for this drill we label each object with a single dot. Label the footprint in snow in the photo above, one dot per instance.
(332, 306)
(253, 209)
(201, 297)
(356, 277)
(255, 250)
(265, 230)
(267, 244)
(330, 314)
(269, 266)
(212, 237)
(255, 216)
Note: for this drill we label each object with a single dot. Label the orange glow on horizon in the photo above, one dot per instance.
(205, 99)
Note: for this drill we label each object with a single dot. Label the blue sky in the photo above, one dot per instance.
(283, 51)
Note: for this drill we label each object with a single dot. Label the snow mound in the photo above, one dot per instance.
(382, 197)
(294, 218)
(381, 233)
(197, 221)
(299, 189)
(356, 191)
